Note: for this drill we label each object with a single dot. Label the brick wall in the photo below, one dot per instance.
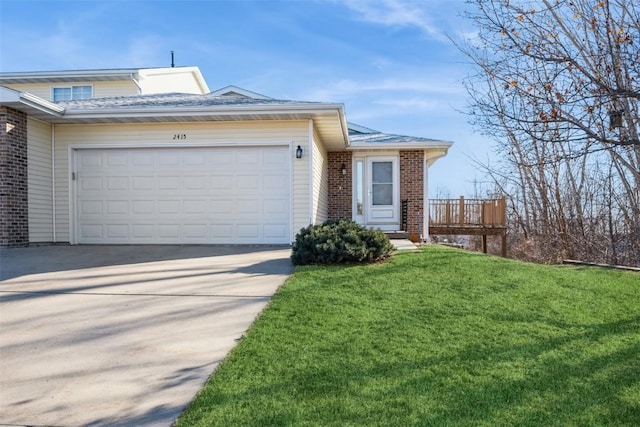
(412, 188)
(14, 202)
(340, 200)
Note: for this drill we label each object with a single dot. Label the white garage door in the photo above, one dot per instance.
(183, 195)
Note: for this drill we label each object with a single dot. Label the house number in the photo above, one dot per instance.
(179, 136)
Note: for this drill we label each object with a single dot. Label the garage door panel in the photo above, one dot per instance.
(117, 231)
(143, 231)
(142, 159)
(117, 160)
(248, 208)
(275, 232)
(276, 207)
(195, 207)
(196, 231)
(142, 207)
(92, 160)
(143, 183)
(169, 231)
(223, 208)
(183, 195)
(273, 182)
(168, 158)
(168, 182)
(222, 158)
(248, 232)
(196, 182)
(90, 207)
(91, 232)
(222, 232)
(248, 158)
(222, 183)
(274, 160)
(118, 207)
(91, 183)
(248, 182)
(195, 159)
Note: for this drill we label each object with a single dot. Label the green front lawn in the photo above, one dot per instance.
(438, 337)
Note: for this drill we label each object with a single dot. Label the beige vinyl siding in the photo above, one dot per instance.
(39, 180)
(320, 181)
(100, 89)
(158, 135)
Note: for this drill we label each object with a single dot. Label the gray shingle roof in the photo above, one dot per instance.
(386, 138)
(171, 100)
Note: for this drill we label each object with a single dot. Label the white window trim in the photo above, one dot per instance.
(53, 88)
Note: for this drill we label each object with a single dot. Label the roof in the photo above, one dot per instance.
(230, 103)
(29, 104)
(328, 118)
(174, 101)
(363, 138)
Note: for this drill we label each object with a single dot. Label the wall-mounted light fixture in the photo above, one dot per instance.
(299, 152)
(344, 169)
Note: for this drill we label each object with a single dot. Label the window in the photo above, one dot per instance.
(72, 93)
(382, 183)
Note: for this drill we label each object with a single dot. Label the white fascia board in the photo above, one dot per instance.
(67, 76)
(41, 104)
(20, 100)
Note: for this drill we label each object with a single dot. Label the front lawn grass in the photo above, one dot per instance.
(440, 337)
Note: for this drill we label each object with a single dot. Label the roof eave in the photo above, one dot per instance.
(65, 76)
(316, 112)
(435, 145)
(198, 111)
(29, 103)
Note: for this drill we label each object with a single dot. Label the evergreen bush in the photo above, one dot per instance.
(339, 242)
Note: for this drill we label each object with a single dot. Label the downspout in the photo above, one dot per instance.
(53, 180)
(135, 82)
(425, 200)
(310, 145)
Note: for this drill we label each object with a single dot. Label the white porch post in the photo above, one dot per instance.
(425, 200)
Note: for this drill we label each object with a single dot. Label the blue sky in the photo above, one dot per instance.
(390, 62)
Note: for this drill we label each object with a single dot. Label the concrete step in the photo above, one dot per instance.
(397, 234)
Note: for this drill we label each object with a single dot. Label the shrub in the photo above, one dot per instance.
(339, 242)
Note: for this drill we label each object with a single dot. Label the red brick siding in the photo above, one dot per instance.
(412, 188)
(14, 199)
(340, 186)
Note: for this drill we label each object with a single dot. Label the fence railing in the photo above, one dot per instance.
(467, 212)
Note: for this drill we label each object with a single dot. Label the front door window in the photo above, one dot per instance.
(382, 183)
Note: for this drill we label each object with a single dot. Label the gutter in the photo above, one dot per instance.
(43, 105)
(135, 82)
(133, 115)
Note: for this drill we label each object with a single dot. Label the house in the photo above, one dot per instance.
(152, 156)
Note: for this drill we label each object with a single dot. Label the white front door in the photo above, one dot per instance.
(376, 192)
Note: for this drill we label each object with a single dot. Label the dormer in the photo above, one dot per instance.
(86, 84)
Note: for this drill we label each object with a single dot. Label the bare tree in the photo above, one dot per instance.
(558, 86)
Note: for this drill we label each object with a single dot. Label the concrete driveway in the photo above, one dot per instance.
(122, 335)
